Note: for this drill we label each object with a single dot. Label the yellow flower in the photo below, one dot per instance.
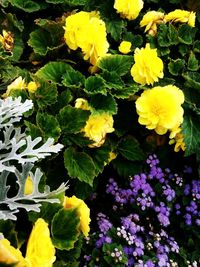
(96, 128)
(178, 140)
(40, 250)
(82, 210)
(11, 255)
(87, 31)
(182, 16)
(150, 20)
(82, 103)
(18, 83)
(128, 9)
(29, 186)
(7, 40)
(32, 87)
(148, 66)
(160, 108)
(125, 47)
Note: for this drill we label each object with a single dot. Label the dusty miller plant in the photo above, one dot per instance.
(18, 153)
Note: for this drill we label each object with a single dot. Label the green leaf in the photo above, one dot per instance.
(32, 129)
(46, 94)
(53, 71)
(125, 92)
(192, 79)
(191, 132)
(121, 64)
(130, 149)
(49, 125)
(94, 85)
(163, 38)
(65, 228)
(115, 28)
(41, 42)
(193, 63)
(79, 165)
(113, 80)
(172, 35)
(70, 2)
(72, 120)
(73, 79)
(186, 34)
(101, 104)
(176, 66)
(27, 6)
(196, 46)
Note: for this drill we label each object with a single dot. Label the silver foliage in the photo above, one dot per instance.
(19, 152)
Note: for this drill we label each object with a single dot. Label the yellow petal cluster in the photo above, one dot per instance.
(178, 140)
(125, 47)
(148, 66)
(29, 186)
(151, 19)
(40, 251)
(97, 125)
(11, 255)
(129, 9)
(87, 31)
(20, 84)
(7, 40)
(160, 108)
(82, 210)
(182, 16)
(96, 128)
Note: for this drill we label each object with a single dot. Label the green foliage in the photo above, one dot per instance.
(65, 228)
(95, 85)
(72, 120)
(79, 165)
(118, 63)
(102, 104)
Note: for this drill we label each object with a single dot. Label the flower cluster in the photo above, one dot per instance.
(148, 66)
(160, 108)
(97, 126)
(20, 84)
(146, 210)
(87, 31)
(129, 9)
(153, 18)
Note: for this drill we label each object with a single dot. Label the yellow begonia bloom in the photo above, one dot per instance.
(179, 142)
(182, 16)
(87, 31)
(29, 186)
(96, 128)
(128, 9)
(18, 83)
(125, 47)
(160, 108)
(40, 250)
(82, 103)
(150, 20)
(7, 40)
(148, 66)
(32, 87)
(82, 210)
(11, 255)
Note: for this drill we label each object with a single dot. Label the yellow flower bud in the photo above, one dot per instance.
(29, 186)
(125, 47)
(17, 84)
(32, 87)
